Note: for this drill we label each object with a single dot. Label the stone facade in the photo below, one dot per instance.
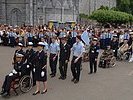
(34, 12)
(88, 6)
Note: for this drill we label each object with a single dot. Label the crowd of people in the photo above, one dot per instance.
(59, 43)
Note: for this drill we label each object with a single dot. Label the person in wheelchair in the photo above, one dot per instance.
(20, 51)
(14, 74)
(124, 48)
(131, 47)
(106, 57)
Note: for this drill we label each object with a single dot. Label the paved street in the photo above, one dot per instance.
(107, 84)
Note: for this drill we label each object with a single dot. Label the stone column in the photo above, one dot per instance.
(44, 14)
(27, 13)
(62, 14)
(3, 19)
(35, 12)
(31, 12)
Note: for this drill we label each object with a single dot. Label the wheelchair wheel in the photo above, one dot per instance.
(26, 84)
(119, 57)
(112, 62)
(125, 56)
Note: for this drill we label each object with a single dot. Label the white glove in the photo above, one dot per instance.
(28, 66)
(14, 71)
(42, 74)
(11, 74)
(34, 70)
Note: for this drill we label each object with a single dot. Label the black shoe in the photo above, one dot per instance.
(90, 73)
(73, 80)
(76, 81)
(63, 78)
(43, 92)
(2, 92)
(95, 71)
(6, 94)
(35, 93)
(60, 77)
(52, 75)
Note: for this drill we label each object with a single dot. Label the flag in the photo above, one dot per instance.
(85, 38)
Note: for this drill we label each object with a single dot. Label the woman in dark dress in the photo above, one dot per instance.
(40, 69)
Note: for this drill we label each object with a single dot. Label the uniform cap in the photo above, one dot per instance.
(30, 44)
(41, 44)
(64, 37)
(114, 35)
(19, 55)
(20, 44)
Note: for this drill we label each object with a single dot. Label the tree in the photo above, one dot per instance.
(112, 17)
(104, 8)
(125, 6)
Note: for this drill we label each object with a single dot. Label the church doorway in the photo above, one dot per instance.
(16, 17)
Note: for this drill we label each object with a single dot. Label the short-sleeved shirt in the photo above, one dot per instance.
(46, 45)
(78, 48)
(73, 34)
(54, 48)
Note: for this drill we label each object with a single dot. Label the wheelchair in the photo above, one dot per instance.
(124, 56)
(107, 62)
(24, 83)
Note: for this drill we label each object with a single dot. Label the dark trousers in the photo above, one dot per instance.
(73, 40)
(7, 83)
(75, 68)
(93, 65)
(115, 53)
(53, 63)
(108, 41)
(5, 41)
(102, 43)
(12, 41)
(63, 68)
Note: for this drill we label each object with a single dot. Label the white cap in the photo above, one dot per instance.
(19, 55)
(115, 35)
(30, 44)
(20, 44)
(41, 44)
(95, 39)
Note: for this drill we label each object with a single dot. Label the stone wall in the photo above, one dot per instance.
(88, 6)
(34, 12)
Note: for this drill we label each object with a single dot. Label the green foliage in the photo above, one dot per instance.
(84, 16)
(112, 17)
(104, 8)
(114, 8)
(125, 6)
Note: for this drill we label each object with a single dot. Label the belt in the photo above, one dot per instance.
(52, 54)
(76, 56)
